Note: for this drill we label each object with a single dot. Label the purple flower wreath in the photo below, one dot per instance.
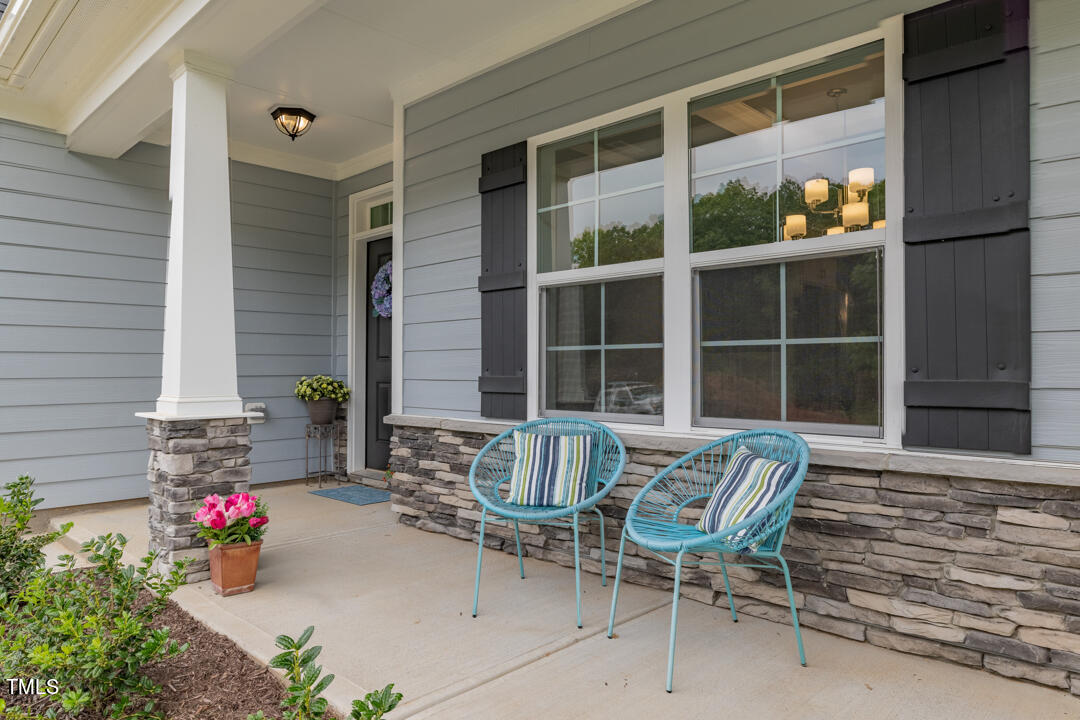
(381, 298)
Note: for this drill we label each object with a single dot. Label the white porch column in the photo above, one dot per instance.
(198, 371)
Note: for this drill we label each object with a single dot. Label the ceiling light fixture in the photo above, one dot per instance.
(293, 121)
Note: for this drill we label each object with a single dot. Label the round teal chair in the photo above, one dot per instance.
(653, 520)
(489, 479)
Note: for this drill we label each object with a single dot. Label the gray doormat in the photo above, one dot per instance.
(355, 494)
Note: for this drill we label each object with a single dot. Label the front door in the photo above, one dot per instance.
(377, 383)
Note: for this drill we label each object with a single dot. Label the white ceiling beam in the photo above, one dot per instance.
(266, 157)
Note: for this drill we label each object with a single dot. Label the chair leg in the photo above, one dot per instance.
(577, 569)
(674, 619)
(727, 586)
(615, 590)
(517, 539)
(479, 558)
(794, 612)
(603, 551)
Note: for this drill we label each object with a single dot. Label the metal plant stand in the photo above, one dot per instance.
(324, 437)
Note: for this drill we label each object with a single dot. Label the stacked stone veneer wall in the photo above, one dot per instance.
(979, 572)
(190, 459)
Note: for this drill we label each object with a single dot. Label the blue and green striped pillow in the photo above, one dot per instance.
(550, 470)
(749, 483)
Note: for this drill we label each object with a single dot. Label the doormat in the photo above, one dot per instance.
(355, 494)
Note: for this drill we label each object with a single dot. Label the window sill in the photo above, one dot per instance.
(1005, 469)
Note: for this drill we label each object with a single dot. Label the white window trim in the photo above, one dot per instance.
(360, 234)
(678, 264)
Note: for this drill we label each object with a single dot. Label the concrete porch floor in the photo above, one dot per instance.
(392, 604)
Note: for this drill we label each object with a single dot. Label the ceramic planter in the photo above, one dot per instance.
(322, 412)
(233, 567)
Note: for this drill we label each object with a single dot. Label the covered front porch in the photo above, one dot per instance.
(391, 603)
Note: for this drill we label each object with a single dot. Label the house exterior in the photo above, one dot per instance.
(854, 220)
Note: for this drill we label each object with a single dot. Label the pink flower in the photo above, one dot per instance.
(201, 514)
(217, 519)
(242, 503)
(258, 521)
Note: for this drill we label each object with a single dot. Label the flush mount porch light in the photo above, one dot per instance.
(293, 121)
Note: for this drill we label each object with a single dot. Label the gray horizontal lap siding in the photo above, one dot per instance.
(282, 282)
(82, 287)
(657, 48)
(1055, 224)
(83, 244)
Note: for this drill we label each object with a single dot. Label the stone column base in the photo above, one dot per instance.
(190, 459)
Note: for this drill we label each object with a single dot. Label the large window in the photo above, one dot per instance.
(600, 204)
(798, 155)
(796, 341)
(605, 347)
(763, 299)
(611, 179)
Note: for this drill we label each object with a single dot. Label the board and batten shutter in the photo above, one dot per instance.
(966, 238)
(503, 242)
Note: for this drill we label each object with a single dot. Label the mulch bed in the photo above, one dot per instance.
(213, 679)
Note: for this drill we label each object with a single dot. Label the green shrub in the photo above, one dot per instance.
(306, 683)
(90, 629)
(20, 552)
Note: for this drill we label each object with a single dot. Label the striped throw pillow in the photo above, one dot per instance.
(749, 483)
(550, 470)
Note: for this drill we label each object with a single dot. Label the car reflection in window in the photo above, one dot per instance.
(630, 397)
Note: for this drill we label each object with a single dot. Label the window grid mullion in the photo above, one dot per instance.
(596, 221)
(603, 352)
(793, 341)
(783, 342)
(605, 196)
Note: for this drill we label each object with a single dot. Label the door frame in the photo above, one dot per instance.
(360, 233)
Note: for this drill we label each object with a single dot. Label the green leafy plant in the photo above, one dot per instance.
(303, 700)
(90, 630)
(318, 387)
(306, 683)
(13, 713)
(375, 704)
(20, 551)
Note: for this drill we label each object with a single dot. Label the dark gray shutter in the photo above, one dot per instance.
(503, 324)
(967, 266)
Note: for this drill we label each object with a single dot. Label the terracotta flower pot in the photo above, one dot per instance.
(322, 411)
(233, 567)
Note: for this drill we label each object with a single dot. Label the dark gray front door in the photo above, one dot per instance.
(377, 383)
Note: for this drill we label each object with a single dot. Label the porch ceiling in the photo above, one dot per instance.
(97, 70)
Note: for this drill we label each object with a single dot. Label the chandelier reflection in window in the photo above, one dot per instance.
(848, 216)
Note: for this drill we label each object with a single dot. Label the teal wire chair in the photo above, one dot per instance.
(652, 520)
(491, 471)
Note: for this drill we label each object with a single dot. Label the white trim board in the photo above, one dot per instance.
(678, 264)
(289, 162)
(356, 322)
